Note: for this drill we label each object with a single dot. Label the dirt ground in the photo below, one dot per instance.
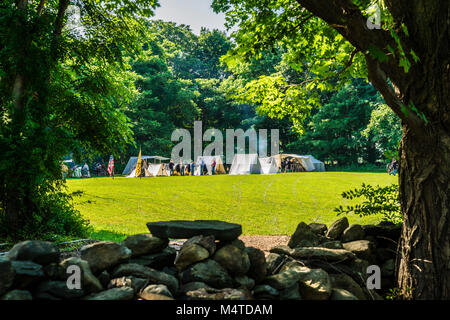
(264, 243)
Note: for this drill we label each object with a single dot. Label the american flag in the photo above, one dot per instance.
(111, 165)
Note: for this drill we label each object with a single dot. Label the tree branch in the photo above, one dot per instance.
(40, 7)
(59, 22)
(379, 80)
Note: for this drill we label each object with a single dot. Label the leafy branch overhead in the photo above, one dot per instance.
(377, 200)
(329, 42)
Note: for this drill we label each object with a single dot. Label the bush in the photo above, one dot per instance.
(378, 200)
(54, 220)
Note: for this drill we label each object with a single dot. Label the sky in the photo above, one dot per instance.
(195, 13)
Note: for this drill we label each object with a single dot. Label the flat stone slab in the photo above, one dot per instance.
(182, 229)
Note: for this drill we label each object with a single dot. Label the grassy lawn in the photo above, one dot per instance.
(262, 204)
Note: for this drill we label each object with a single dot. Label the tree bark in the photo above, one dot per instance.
(424, 268)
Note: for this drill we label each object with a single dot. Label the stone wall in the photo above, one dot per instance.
(319, 263)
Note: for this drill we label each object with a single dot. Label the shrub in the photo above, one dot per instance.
(378, 200)
(55, 219)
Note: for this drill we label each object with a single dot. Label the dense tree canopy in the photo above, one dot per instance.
(405, 56)
(63, 85)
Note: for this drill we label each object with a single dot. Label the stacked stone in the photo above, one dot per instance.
(109, 271)
(213, 263)
(331, 263)
(319, 263)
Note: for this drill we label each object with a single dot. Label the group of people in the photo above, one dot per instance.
(290, 165)
(188, 169)
(76, 171)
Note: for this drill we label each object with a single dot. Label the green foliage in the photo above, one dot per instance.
(163, 102)
(384, 129)
(334, 131)
(398, 294)
(377, 201)
(55, 219)
(63, 87)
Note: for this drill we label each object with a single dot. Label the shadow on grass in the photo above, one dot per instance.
(107, 235)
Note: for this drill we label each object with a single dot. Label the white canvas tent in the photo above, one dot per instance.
(319, 166)
(268, 165)
(308, 162)
(133, 160)
(208, 160)
(157, 170)
(245, 164)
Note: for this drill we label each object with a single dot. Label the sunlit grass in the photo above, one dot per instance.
(262, 204)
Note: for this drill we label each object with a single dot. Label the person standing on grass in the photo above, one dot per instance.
(393, 167)
(192, 168)
(202, 164)
(171, 165)
(181, 168)
(213, 166)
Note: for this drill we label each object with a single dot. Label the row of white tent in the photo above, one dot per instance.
(252, 164)
(242, 164)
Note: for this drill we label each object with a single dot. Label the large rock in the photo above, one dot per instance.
(17, 295)
(383, 229)
(104, 278)
(264, 291)
(149, 292)
(192, 286)
(55, 271)
(144, 243)
(315, 285)
(258, 265)
(363, 249)
(181, 229)
(303, 233)
(122, 293)
(154, 276)
(244, 282)
(135, 283)
(154, 296)
(341, 294)
(275, 262)
(215, 294)
(359, 266)
(318, 228)
(315, 253)
(157, 260)
(353, 233)
(6, 274)
(343, 281)
(335, 244)
(41, 252)
(104, 255)
(88, 281)
(235, 260)
(26, 273)
(207, 242)
(58, 289)
(190, 254)
(209, 272)
(291, 293)
(287, 278)
(337, 228)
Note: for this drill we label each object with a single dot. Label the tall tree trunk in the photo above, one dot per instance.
(424, 269)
